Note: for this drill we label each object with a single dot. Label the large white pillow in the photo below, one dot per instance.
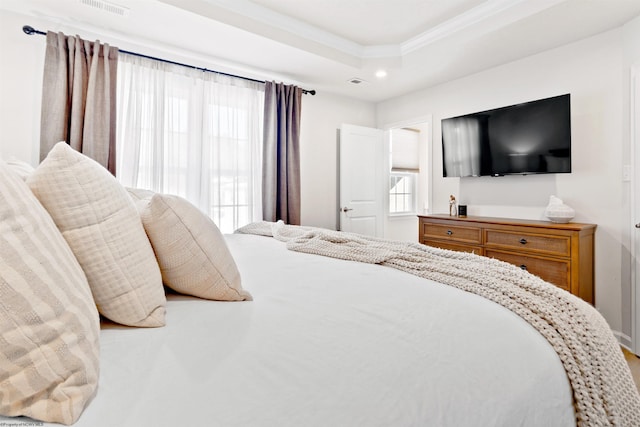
(101, 224)
(49, 325)
(192, 253)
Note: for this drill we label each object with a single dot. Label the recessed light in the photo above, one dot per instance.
(381, 74)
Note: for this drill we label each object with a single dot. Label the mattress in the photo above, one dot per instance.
(328, 342)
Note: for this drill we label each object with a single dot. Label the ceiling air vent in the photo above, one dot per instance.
(107, 7)
(355, 80)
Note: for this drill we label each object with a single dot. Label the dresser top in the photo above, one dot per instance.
(575, 226)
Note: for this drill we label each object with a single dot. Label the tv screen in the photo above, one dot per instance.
(529, 138)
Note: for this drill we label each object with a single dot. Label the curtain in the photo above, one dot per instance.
(194, 134)
(462, 154)
(281, 157)
(79, 97)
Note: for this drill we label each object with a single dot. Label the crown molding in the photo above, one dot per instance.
(265, 22)
(477, 15)
(457, 24)
(282, 22)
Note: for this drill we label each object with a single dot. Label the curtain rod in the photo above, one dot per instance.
(30, 31)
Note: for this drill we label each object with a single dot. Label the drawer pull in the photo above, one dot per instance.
(524, 267)
(523, 241)
(449, 232)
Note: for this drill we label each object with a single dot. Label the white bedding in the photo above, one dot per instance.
(349, 345)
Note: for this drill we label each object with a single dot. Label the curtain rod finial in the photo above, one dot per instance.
(28, 29)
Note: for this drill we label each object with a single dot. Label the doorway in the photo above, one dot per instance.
(361, 177)
(634, 102)
(406, 139)
(366, 184)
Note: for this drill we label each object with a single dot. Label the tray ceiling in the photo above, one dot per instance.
(323, 44)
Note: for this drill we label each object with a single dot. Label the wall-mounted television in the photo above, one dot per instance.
(529, 138)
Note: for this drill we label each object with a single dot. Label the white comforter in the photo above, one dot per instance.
(325, 343)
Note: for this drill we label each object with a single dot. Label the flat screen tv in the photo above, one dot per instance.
(529, 138)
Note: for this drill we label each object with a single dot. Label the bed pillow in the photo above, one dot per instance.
(49, 325)
(140, 197)
(192, 253)
(20, 168)
(101, 224)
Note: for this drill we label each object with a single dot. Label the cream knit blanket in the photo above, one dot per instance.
(604, 393)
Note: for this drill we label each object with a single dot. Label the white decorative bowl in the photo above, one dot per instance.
(560, 219)
(558, 211)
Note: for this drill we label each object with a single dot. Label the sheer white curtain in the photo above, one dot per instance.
(194, 134)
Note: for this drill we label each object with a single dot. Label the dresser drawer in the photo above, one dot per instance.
(553, 271)
(561, 254)
(453, 246)
(453, 233)
(556, 245)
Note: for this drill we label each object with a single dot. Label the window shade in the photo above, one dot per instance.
(404, 150)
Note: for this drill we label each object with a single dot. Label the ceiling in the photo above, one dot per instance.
(323, 44)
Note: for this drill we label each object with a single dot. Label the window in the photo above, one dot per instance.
(405, 167)
(402, 190)
(194, 134)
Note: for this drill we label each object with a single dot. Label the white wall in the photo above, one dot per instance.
(21, 64)
(592, 72)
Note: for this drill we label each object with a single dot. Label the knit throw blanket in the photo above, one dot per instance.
(604, 393)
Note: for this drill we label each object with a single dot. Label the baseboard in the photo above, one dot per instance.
(624, 340)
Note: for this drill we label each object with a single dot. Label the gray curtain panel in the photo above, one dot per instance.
(281, 155)
(79, 98)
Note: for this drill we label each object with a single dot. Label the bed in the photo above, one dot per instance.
(351, 344)
(324, 341)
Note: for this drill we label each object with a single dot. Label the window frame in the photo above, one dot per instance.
(413, 193)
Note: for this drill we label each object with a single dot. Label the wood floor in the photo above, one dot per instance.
(634, 364)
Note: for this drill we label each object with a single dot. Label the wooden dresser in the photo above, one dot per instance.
(561, 254)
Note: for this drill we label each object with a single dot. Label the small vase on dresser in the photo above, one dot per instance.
(558, 212)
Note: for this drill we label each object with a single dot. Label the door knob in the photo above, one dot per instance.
(638, 225)
(346, 209)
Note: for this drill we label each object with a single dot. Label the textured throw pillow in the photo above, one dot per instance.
(49, 325)
(191, 251)
(101, 224)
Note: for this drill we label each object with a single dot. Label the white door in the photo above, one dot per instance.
(635, 198)
(362, 180)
